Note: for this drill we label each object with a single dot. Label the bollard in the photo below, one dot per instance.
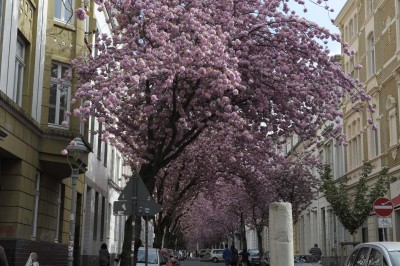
(281, 234)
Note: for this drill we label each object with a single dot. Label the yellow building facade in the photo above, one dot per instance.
(38, 40)
(372, 29)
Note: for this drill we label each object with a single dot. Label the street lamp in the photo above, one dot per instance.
(76, 152)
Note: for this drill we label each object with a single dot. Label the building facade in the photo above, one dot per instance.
(372, 29)
(38, 40)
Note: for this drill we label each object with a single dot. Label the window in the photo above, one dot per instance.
(339, 166)
(105, 154)
(59, 94)
(99, 136)
(364, 232)
(63, 10)
(392, 127)
(370, 6)
(354, 147)
(19, 71)
(92, 132)
(375, 258)
(351, 29)
(1, 29)
(96, 214)
(362, 256)
(371, 54)
(103, 217)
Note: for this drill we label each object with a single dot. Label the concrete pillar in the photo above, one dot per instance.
(281, 234)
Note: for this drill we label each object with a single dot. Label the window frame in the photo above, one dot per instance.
(57, 104)
(19, 71)
(62, 18)
(371, 54)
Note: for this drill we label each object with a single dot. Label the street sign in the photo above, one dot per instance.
(122, 208)
(142, 192)
(383, 207)
(151, 207)
(385, 222)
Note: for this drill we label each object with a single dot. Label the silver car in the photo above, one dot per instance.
(154, 257)
(375, 253)
(214, 255)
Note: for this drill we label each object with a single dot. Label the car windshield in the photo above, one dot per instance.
(253, 252)
(395, 257)
(152, 256)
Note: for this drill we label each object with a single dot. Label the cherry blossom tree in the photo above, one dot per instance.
(174, 68)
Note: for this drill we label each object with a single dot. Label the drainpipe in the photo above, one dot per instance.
(58, 213)
(36, 206)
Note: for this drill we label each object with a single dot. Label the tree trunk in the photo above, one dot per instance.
(243, 232)
(159, 228)
(259, 230)
(126, 247)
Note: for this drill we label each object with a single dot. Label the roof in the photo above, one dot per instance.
(389, 246)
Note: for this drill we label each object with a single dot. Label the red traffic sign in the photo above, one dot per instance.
(383, 207)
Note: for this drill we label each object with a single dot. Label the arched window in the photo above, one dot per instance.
(371, 53)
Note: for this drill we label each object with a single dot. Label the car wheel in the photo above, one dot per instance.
(215, 260)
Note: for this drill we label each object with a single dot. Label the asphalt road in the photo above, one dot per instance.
(197, 262)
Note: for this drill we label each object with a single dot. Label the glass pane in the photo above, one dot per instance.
(57, 9)
(61, 117)
(64, 71)
(53, 95)
(361, 259)
(375, 258)
(52, 115)
(20, 49)
(54, 70)
(64, 97)
(67, 10)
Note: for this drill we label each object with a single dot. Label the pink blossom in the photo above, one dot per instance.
(64, 152)
(80, 13)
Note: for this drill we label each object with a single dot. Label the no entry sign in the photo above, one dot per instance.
(383, 207)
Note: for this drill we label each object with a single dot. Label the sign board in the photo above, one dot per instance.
(383, 207)
(385, 222)
(142, 192)
(148, 207)
(122, 207)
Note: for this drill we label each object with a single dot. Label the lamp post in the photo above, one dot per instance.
(76, 151)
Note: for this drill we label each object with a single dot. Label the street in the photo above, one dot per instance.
(197, 262)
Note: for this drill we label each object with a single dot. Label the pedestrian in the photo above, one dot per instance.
(3, 257)
(245, 257)
(235, 255)
(227, 256)
(316, 252)
(104, 256)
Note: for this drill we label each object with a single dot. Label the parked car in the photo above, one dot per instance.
(169, 253)
(203, 252)
(154, 257)
(254, 257)
(214, 255)
(375, 253)
(306, 260)
(255, 261)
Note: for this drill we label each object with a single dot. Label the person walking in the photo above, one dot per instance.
(245, 257)
(3, 258)
(316, 252)
(227, 255)
(104, 256)
(235, 255)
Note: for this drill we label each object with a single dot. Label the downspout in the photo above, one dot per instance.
(58, 213)
(36, 206)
